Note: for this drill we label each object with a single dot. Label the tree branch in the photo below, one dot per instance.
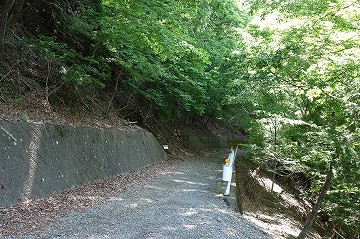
(5, 16)
(11, 68)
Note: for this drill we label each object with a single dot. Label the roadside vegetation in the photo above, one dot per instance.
(285, 72)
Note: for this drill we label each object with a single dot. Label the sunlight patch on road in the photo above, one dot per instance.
(190, 212)
(189, 227)
(189, 182)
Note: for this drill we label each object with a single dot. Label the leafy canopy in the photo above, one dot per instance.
(299, 85)
(173, 50)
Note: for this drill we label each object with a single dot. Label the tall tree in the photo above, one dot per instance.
(10, 7)
(301, 68)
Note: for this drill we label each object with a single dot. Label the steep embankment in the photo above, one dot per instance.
(274, 206)
(58, 66)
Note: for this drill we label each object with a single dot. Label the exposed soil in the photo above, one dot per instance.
(280, 212)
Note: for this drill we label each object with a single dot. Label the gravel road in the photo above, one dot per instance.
(182, 203)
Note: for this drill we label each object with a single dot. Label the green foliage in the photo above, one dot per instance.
(176, 54)
(48, 47)
(299, 84)
(83, 20)
(24, 117)
(172, 50)
(76, 68)
(290, 77)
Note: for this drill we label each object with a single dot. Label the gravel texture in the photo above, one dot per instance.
(183, 202)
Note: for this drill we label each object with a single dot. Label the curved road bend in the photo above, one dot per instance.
(181, 203)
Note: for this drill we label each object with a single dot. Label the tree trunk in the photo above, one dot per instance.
(16, 10)
(239, 191)
(5, 15)
(312, 216)
(275, 145)
(113, 95)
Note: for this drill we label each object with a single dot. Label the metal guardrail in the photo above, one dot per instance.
(228, 169)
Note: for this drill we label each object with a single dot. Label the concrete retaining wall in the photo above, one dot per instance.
(39, 159)
(199, 142)
(202, 142)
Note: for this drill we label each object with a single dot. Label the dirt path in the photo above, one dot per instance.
(182, 203)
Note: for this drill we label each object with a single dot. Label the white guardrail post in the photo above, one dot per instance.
(228, 170)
